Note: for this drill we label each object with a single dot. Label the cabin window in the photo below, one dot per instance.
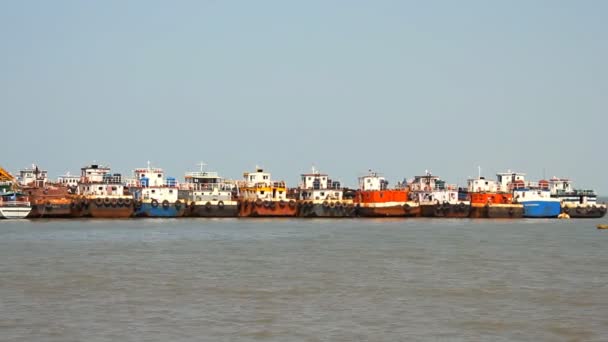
(99, 188)
(280, 192)
(170, 191)
(265, 177)
(159, 175)
(143, 175)
(153, 191)
(114, 188)
(261, 192)
(322, 194)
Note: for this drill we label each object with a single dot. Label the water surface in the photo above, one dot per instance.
(303, 280)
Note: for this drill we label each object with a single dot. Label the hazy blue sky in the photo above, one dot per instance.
(395, 86)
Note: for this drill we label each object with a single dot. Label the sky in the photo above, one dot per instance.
(398, 87)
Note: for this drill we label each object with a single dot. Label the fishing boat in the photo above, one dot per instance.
(13, 204)
(375, 199)
(102, 194)
(260, 196)
(155, 195)
(210, 195)
(48, 200)
(320, 196)
(490, 199)
(438, 199)
(536, 198)
(577, 203)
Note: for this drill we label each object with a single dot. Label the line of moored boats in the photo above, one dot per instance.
(97, 192)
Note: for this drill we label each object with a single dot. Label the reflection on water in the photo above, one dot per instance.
(308, 280)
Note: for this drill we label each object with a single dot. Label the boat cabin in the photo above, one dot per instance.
(482, 184)
(96, 180)
(427, 182)
(563, 189)
(259, 184)
(560, 186)
(511, 180)
(372, 182)
(68, 180)
(318, 186)
(431, 189)
(208, 186)
(32, 177)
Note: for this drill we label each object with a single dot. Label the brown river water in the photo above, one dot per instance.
(303, 280)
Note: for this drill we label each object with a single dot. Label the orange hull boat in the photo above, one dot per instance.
(267, 208)
(385, 203)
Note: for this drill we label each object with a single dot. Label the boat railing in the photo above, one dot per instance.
(15, 203)
(269, 184)
(575, 192)
(210, 187)
(451, 187)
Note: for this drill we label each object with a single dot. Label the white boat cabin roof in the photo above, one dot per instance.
(372, 182)
(316, 181)
(257, 178)
(202, 176)
(34, 175)
(481, 184)
(507, 179)
(96, 173)
(560, 185)
(428, 182)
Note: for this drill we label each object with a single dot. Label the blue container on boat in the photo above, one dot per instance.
(145, 182)
(171, 181)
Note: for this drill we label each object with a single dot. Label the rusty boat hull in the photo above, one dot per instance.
(479, 210)
(109, 208)
(590, 211)
(97, 211)
(450, 210)
(49, 201)
(310, 209)
(51, 209)
(208, 209)
(268, 208)
(397, 210)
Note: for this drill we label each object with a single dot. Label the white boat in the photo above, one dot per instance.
(320, 196)
(14, 205)
(436, 198)
(210, 195)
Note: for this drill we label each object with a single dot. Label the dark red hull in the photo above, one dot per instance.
(103, 211)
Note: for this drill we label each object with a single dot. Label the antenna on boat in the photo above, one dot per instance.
(479, 170)
(148, 165)
(202, 165)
